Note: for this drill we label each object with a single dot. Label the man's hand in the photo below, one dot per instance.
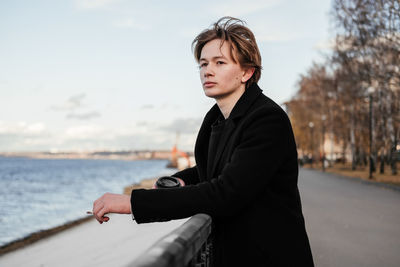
(181, 181)
(111, 203)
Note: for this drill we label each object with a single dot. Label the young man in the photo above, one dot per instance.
(246, 172)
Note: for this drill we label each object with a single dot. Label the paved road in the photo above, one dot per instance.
(350, 222)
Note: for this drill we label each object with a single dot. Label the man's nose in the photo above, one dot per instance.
(208, 71)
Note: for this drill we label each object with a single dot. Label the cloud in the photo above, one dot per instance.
(86, 132)
(142, 123)
(149, 106)
(94, 4)
(325, 45)
(142, 135)
(183, 126)
(77, 99)
(84, 116)
(95, 137)
(23, 136)
(73, 103)
(22, 128)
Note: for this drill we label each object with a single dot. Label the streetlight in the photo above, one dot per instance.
(371, 91)
(311, 125)
(323, 118)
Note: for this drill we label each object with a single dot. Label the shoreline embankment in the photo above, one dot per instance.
(42, 234)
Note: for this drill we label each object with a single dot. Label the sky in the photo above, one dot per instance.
(89, 75)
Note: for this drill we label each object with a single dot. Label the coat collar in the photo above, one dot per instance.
(245, 101)
(241, 106)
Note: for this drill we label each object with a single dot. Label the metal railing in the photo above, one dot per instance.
(189, 245)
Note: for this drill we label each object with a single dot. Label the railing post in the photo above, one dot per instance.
(188, 245)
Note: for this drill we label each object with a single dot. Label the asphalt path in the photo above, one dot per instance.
(350, 222)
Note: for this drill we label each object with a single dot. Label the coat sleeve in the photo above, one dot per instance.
(253, 165)
(189, 175)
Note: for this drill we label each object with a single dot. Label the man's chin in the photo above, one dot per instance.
(212, 94)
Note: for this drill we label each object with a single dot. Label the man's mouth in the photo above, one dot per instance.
(209, 84)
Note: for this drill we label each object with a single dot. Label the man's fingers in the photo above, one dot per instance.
(100, 215)
(98, 211)
(97, 207)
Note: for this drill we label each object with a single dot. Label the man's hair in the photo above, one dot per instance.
(240, 39)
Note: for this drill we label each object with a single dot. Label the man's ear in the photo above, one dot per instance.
(247, 74)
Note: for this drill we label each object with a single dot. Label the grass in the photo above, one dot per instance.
(362, 172)
(145, 183)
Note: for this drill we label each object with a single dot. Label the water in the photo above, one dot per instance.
(38, 194)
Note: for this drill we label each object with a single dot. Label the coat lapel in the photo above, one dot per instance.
(202, 142)
(239, 110)
(228, 130)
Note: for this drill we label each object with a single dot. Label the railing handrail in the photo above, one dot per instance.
(180, 246)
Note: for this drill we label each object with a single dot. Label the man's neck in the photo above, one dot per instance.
(227, 103)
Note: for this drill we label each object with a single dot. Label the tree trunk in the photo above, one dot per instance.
(352, 140)
(382, 162)
(344, 146)
(390, 130)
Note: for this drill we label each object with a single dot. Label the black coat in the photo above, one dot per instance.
(250, 190)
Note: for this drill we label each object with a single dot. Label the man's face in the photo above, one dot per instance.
(219, 74)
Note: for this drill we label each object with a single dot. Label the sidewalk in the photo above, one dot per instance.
(115, 243)
(349, 221)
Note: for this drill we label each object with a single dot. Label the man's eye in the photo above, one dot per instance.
(220, 62)
(202, 65)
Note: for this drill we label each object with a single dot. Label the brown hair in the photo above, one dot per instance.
(240, 39)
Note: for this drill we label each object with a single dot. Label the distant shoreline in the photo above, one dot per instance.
(110, 155)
